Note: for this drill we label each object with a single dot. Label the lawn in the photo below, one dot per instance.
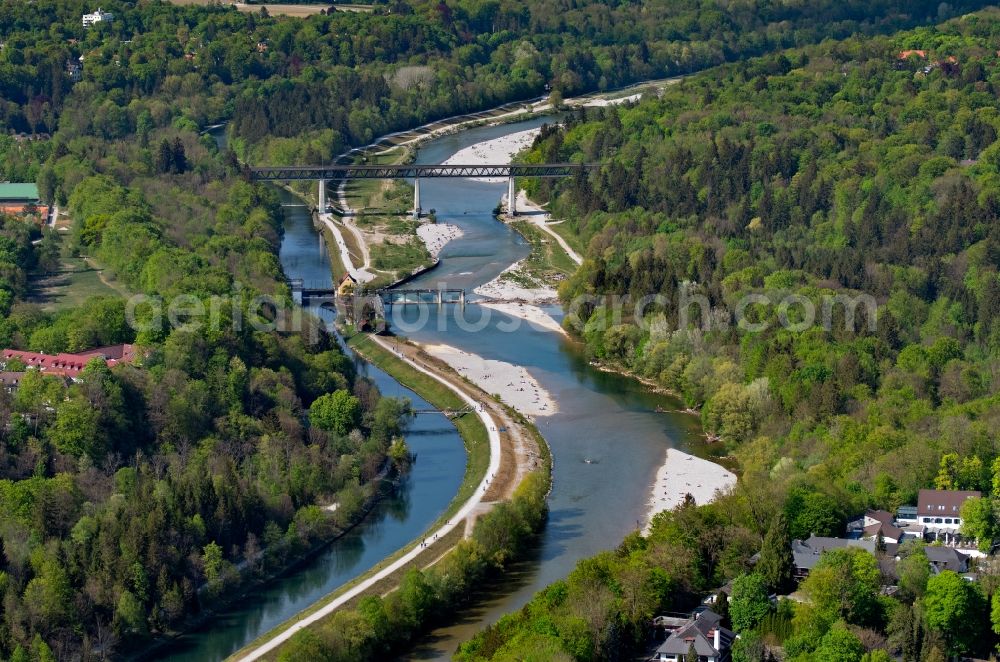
(547, 255)
(299, 10)
(75, 282)
(566, 231)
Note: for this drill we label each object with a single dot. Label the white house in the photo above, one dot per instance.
(940, 511)
(97, 17)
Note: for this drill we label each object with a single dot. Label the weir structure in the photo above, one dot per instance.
(303, 294)
(417, 172)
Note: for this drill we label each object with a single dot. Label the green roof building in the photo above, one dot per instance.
(18, 193)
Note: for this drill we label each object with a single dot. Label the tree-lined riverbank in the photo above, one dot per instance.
(484, 489)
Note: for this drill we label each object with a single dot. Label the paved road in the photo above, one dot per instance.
(360, 274)
(540, 218)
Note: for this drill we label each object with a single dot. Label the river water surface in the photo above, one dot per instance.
(418, 501)
(607, 438)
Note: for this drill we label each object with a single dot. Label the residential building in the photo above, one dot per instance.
(73, 70)
(10, 380)
(726, 589)
(806, 553)
(946, 558)
(892, 529)
(874, 523)
(69, 365)
(711, 641)
(97, 17)
(347, 285)
(940, 512)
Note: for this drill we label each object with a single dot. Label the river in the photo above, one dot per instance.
(607, 438)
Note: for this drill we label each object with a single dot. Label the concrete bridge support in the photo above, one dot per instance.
(511, 197)
(416, 197)
(296, 285)
(322, 196)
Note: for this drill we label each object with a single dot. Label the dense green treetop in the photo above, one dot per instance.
(134, 488)
(836, 170)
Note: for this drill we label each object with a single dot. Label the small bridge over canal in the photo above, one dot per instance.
(417, 172)
(450, 413)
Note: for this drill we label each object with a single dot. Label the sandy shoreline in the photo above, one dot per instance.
(436, 235)
(513, 383)
(601, 103)
(534, 315)
(504, 288)
(682, 474)
(497, 150)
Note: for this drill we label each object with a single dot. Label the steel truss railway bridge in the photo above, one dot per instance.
(322, 174)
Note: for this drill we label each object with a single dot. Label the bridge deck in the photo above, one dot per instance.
(288, 173)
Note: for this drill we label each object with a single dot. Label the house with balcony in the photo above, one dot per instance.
(940, 513)
(704, 633)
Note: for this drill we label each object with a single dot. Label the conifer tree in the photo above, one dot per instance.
(776, 564)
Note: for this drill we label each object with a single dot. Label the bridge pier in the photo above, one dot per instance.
(511, 197)
(416, 197)
(322, 196)
(296, 285)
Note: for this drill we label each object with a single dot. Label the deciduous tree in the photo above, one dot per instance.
(749, 603)
(956, 609)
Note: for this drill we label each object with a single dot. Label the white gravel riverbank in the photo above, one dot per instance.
(513, 383)
(682, 474)
(436, 235)
(497, 150)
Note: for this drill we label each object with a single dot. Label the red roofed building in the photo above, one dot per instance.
(71, 365)
(905, 54)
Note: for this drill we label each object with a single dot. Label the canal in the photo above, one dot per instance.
(418, 501)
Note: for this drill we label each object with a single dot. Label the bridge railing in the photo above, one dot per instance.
(289, 173)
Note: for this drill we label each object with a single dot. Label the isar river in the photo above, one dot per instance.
(607, 437)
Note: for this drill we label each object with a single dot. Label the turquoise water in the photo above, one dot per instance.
(607, 419)
(420, 498)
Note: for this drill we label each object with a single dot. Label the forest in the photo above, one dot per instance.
(853, 167)
(304, 89)
(138, 494)
(138, 497)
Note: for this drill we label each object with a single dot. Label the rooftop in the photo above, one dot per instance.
(70, 365)
(943, 502)
(807, 552)
(18, 191)
(946, 558)
(700, 632)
